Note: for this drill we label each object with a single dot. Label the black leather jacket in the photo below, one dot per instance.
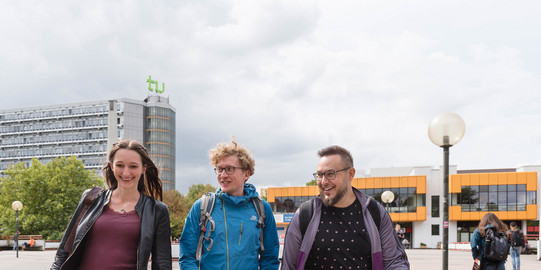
(155, 233)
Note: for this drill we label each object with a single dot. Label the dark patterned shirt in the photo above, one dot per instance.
(342, 241)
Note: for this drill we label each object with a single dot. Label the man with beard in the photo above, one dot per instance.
(342, 232)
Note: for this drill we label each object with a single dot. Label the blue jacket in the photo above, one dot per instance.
(236, 237)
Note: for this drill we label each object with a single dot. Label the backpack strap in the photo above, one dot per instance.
(260, 209)
(305, 215)
(374, 211)
(206, 207)
(87, 201)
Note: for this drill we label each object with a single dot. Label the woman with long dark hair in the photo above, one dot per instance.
(492, 222)
(120, 227)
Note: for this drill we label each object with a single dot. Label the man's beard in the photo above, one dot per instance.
(332, 201)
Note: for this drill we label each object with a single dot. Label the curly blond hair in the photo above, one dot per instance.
(229, 149)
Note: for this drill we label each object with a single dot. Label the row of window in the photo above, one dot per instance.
(160, 136)
(45, 150)
(494, 198)
(54, 137)
(159, 111)
(406, 200)
(53, 113)
(54, 125)
(160, 123)
(89, 161)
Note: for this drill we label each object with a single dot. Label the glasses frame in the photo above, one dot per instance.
(218, 171)
(327, 174)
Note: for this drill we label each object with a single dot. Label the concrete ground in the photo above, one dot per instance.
(419, 259)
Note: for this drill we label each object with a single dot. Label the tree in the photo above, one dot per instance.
(312, 182)
(49, 193)
(196, 191)
(178, 210)
(180, 205)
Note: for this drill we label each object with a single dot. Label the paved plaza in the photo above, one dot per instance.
(419, 259)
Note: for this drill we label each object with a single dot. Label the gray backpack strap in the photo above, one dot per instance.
(260, 209)
(207, 205)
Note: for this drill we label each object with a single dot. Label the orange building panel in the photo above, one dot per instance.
(421, 184)
(387, 181)
(512, 179)
(421, 213)
(531, 184)
(455, 183)
(474, 180)
(502, 178)
(395, 182)
(483, 179)
(378, 183)
(531, 211)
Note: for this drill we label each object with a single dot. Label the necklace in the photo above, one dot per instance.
(122, 210)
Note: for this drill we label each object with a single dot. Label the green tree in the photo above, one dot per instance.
(312, 182)
(196, 191)
(178, 211)
(180, 205)
(49, 194)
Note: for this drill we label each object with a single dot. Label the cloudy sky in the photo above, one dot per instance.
(287, 78)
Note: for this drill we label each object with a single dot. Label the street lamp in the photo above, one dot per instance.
(387, 197)
(17, 206)
(446, 130)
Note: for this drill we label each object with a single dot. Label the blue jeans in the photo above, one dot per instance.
(515, 257)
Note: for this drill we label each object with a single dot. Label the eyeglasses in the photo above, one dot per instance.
(228, 170)
(330, 175)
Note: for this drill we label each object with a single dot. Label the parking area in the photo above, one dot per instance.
(419, 259)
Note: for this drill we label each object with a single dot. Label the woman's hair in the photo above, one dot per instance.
(150, 183)
(232, 149)
(492, 219)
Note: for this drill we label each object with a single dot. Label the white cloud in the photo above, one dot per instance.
(290, 77)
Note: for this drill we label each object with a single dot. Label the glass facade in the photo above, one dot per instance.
(494, 198)
(406, 200)
(160, 140)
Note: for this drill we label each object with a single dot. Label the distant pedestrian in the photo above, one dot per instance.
(489, 222)
(517, 245)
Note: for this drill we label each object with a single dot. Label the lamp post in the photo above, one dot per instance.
(387, 197)
(446, 130)
(17, 206)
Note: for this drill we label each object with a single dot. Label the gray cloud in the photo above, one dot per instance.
(288, 78)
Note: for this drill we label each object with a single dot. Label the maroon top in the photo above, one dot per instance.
(112, 241)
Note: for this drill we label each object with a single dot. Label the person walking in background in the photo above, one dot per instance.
(488, 222)
(123, 225)
(233, 237)
(517, 245)
(346, 229)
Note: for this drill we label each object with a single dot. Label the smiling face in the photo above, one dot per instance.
(127, 168)
(334, 191)
(232, 184)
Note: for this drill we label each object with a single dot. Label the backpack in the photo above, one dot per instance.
(517, 239)
(307, 211)
(496, 245)
(207, 205)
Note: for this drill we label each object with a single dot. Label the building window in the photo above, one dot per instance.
(435, 206)
(494, 198)
(435, 229)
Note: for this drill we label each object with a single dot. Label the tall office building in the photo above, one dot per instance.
(88, 130)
